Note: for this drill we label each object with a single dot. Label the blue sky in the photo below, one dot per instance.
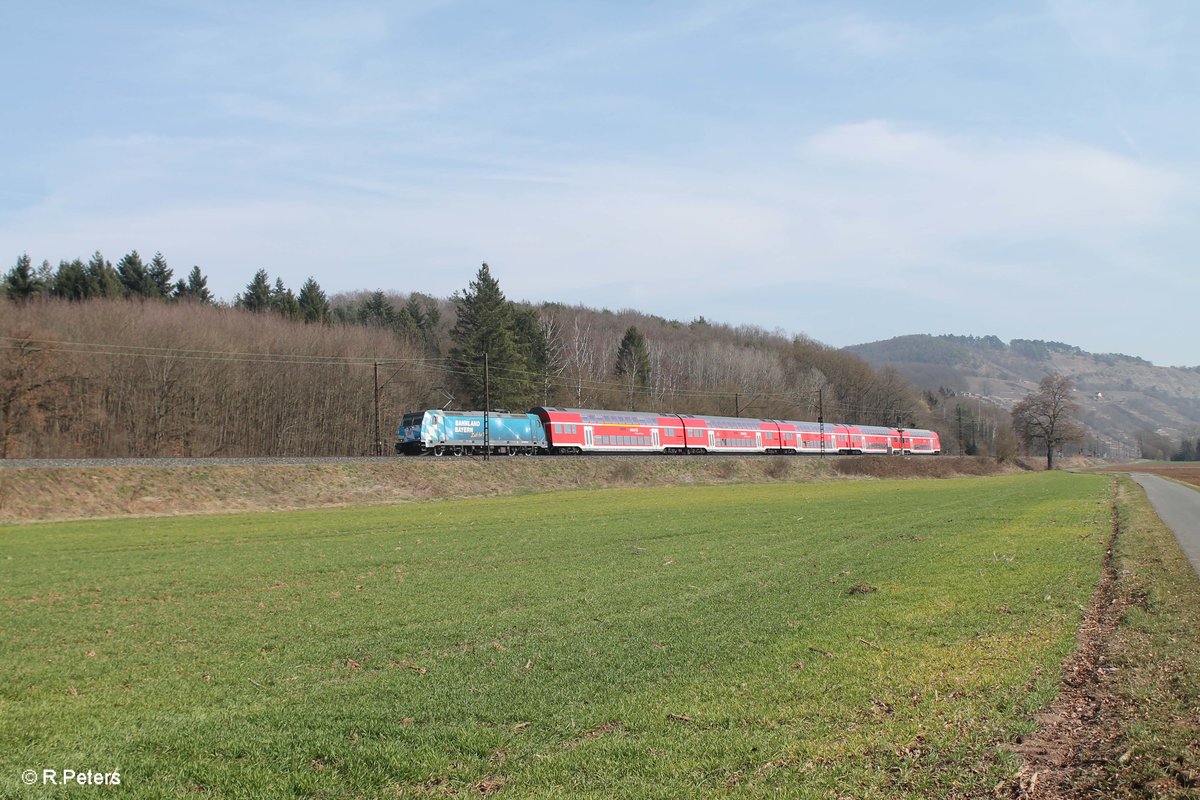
(851, 171)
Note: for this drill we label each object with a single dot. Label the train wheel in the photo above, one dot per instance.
(458, 450)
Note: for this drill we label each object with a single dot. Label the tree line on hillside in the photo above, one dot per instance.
(132, 278)
(98, 278)
(83, 383)
(1157, 447)
(743, 370)
(1188, 450)
(116, 378)
(281, 374)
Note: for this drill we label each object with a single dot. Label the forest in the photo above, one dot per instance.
(109, 361)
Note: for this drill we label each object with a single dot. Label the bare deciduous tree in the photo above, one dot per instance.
(1046, 418)
(28, 385)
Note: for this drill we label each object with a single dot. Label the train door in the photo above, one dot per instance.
(712, 440)
(654, 438)
(758, 440)
(588, 439)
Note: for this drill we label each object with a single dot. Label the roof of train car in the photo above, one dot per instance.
(814, 427)
(496, 414)
(749, 423)
(608, 414)
(876, 429)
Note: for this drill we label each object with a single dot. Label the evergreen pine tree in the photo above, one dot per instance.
(314, 305)
(195, 288)
(633, 363)
(485, 325)
(531, 339)
(135, 280)
(20, 282)
(376, 311)
(102, 279)
(426, 316)
(283, 302)
(44, 278)
(70, 281)
(257, 296)
(407, 326)
(158, 276)
(415, 312)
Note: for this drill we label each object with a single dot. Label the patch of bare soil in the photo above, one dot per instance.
(1186, 471)
(1081, 730)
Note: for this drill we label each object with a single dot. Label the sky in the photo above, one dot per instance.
(850, 171)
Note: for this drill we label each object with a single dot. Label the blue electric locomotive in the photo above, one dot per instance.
(462, 433)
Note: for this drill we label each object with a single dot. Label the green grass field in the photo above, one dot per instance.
(869, 638)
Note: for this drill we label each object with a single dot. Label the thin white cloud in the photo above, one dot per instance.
(818, 38)
(870, 37)
(866, 198)
(1130, 32)
(959, 187)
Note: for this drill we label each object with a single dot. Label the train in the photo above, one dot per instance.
(578, 431)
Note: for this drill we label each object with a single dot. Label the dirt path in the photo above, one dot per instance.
(1080, 730)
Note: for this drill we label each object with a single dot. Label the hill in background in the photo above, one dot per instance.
(1124, 400)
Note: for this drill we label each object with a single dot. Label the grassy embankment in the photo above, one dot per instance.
(39, 494)
(1152, 685)
(876, 638)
